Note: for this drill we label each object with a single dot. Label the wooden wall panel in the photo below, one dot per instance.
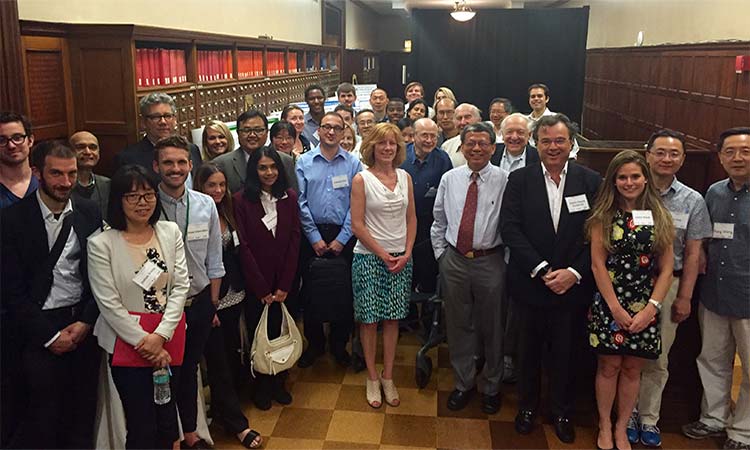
(12, 92)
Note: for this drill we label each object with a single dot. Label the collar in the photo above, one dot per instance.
(339, 154)
(730, 185)
(48, 215)
(563, 172)
(169, 199)
(674, 186)
(411, 151)
(93, 182)
(508, 156)
(483, 172)
(309, 119)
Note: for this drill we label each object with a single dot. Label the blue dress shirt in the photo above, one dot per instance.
(311, 130)
(425, 176)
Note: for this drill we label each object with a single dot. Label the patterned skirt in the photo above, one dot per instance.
(378, 294)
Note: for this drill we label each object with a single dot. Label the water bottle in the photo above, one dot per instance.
(162, 392)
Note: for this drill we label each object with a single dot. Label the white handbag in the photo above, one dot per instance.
(273, 356)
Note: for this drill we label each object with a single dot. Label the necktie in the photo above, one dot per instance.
(465, 240)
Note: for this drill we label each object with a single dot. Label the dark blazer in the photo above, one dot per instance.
(142, 153)
(25, 250)
(268, 262)
(98, 193)
(234, 166)
(532, 155)
(526, 227)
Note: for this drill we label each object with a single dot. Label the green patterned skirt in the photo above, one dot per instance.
(378, 294)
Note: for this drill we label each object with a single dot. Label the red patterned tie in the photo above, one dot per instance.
(465, 241)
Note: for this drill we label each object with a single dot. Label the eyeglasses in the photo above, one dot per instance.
(16, 139)
(558, 142)
(158, 117)
(133, 198)
(482, 145)
(661, 154)
(336, 128)
(256, 131)
(730, 152)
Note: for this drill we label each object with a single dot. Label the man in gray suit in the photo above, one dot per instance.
(252, 131)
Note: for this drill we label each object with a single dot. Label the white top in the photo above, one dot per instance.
(453, 148)
(385, 212)
(555, 193)
(269, 206)
(449, 207)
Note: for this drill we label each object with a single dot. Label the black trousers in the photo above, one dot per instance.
(148, 425)
(425, 270)
(223, 361)
(551, 335)
(61, 392)
(11, 379)
(341, 330)
(263, 384)
(198, 317)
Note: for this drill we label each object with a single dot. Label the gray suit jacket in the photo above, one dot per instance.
(235, 168)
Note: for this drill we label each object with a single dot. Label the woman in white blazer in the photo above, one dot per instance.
(119, 260)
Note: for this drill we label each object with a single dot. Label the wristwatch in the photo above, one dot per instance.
(656, 304)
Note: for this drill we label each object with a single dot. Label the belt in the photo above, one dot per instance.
(471, 254)
(72, 310)
(677, 273)
(194, 298)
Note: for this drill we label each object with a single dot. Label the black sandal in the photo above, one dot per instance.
(250, 438)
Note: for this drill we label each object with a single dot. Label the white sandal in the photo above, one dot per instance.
(373, 394)
(390, 392)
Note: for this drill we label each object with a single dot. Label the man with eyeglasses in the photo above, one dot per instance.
(159, 120)
(316, 99)
(196, 215)
(325, 178)
(252, 132)
(16, 140)
(47, 294)
(465, 115)
(544, 210)
(467, 245)
(89, 185)
(724, 310)
(365, 121)
(665, 153)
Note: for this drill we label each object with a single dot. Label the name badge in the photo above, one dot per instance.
(340, 181)
(269, 220)
(577, 203)
(431, 193)
(235, 239)
(723, 231)
(643, 217)
(680, 220)
(146, 277)
(197, 231)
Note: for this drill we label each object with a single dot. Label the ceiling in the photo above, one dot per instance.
(402, 7)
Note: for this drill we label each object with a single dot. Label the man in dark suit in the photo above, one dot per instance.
(45, 286)
(515, 151)
(252, 131)
(159, 120)
(90, 185)
(544, 209)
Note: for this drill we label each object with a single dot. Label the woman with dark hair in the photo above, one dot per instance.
(222, 350)
(268, 222)
(406, 125)
(417, 109)
(294, 115)
(631, 236)
(152, 250)
(283, 137)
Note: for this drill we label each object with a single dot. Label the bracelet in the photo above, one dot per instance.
(656, 304)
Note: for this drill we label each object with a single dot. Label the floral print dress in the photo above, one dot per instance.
(632, 269)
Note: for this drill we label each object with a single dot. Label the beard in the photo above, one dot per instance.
(55, 194)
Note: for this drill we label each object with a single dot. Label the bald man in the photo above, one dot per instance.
(466, 114)
(89, 185)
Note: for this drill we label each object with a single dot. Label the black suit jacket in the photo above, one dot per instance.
(142, 153)
(24, 254)
(527, 228)
(532, 155)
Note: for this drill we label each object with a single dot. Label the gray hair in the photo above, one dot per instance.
(476, 112)
(526, 120)
(156, 98)
(479, 127)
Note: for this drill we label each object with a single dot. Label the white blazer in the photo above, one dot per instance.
(111, 272)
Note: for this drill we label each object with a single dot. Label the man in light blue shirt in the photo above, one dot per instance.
(325, 176)
(197, 217)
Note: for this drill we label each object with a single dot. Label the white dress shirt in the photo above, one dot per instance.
(453, 148)
(449, 207)
(269, 206)
(509, 163)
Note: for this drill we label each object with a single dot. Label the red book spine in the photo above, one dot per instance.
(148, 68)
(202, 68)
(155, 67)
(173, 66)
(138, 67)
(166, 77)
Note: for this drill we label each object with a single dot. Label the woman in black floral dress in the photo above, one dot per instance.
(631, 257)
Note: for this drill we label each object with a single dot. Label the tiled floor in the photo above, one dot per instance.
(329, 411)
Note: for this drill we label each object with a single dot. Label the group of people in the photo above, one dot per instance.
(340, 216)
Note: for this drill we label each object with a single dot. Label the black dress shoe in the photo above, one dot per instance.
(524, 421)
(564, 429)
(342, 357)
(490, 403)
(262, 398)
(458, 399)
(280, 394)
(308, 358)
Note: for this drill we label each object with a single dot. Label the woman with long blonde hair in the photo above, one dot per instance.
(631, 236)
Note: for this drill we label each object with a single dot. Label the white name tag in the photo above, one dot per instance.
(340, 181)
(680, 220)
(146, 277)
(577, 203)
(197, 231)
(431, 193)
(643, 217)
(235, 239)
(723, 231)
(269, 220)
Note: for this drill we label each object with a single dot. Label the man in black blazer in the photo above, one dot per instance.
(544, 209)
(52, 300)
(159, 119)
(515, 151)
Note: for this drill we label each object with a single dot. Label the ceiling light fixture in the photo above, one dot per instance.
(462, 12)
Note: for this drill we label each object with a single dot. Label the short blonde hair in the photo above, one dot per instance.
(218, 126)
(448, 94)
(349, 128)
(377, 135)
